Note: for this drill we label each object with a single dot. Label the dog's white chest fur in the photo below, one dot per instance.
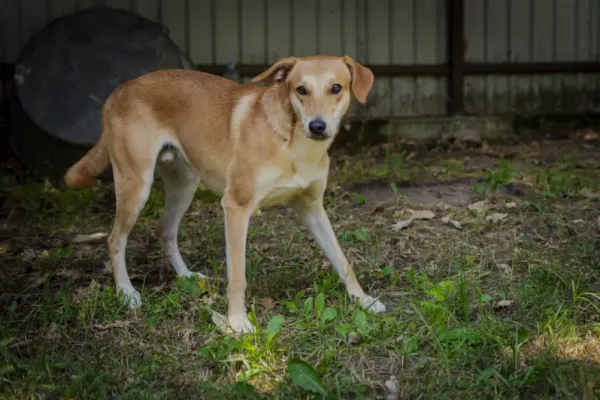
(276, 187)
(280, 182)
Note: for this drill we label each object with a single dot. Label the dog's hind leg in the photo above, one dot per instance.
(180, 183)
(133, 158)
(131, 193)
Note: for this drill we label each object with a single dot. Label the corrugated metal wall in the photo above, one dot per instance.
(534, 31)
(375, 32)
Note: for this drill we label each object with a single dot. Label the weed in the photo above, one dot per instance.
(500, 177)
(561, 180)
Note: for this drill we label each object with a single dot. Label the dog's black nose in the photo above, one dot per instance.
(317, 126)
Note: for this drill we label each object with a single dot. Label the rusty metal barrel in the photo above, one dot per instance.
(65, 73)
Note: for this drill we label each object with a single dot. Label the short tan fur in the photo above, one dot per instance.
(256, 146)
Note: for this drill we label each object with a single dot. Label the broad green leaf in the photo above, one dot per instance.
(206, 352)
(362, 235)
(486, 298)
(291, 306)
(387, 270)
(302, 325)
(344, 236)
(303, 375)
(344, 329)
(360, 320)
(319, 304)
(299, 295)
(486, 374)
(360, 198)
(329, 314)
(274, 327)
(192, 286)
(247, 390)
(308, 306)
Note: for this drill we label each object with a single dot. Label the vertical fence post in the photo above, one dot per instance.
(456, 56)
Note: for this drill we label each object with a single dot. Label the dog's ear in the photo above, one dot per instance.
(278, 71)
(362, 79)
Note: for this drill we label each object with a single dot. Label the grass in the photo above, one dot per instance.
(506, 309)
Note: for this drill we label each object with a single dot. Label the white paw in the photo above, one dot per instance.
(241, 324)
(191, 274)
(131, 297)
(373, 305)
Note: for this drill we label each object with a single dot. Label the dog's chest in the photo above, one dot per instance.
(277, 186)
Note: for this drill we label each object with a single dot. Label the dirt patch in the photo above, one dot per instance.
(453, 192)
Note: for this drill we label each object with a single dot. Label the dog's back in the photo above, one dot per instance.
(171, 94)
(190, 110)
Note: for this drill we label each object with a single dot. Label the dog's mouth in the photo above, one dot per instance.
(319, 138)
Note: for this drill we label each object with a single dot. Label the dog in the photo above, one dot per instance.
(256, 146)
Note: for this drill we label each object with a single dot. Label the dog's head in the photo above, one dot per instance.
(320, 89)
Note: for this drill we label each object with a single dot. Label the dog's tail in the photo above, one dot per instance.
(82, 174)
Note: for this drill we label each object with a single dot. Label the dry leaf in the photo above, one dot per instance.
(421, 214)
(512, 204)
(504, 267)
(402, 224)
(48, 187)
(38, 281)
(589, 193)
(267, 303)
(578, 221)
(28, 255)
(590, 135)
(496, 217)
(392, 391)
(598, 222)
(504, 303)
(220, 321)
(467, 136)
(117, 324)
(443, 206)
(209, 300)
(447, 220)
(353, 338)
(479, 207)
(70, 273)
(89, 238)
(53, 333)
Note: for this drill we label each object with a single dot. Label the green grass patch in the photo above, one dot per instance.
(507, 309)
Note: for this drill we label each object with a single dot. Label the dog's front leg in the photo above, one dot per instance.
(237, 219)
(315, 217)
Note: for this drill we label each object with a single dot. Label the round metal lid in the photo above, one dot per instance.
(68, 69)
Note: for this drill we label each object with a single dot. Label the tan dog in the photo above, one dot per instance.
(256, 146)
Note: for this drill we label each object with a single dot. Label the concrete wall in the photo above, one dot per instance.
(375, 32)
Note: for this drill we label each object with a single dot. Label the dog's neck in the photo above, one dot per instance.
(277, 107)
(281, 117)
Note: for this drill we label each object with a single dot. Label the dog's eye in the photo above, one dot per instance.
(301, 90)
(335, 89)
